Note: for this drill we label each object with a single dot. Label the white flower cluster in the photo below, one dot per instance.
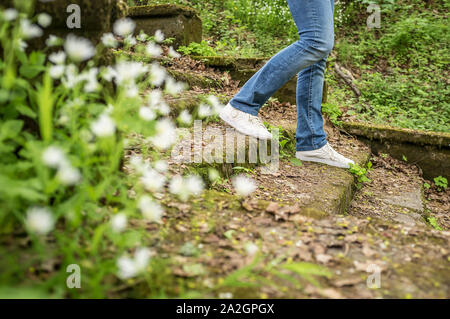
(54, 157)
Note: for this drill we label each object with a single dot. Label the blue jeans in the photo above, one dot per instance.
(307, 58)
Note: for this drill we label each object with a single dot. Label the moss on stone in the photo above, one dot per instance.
(383, 132)
(161, 10)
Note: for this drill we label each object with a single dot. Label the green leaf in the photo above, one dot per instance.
(229, 233)
(296, 162)
(27, 111)
(30, 71)
(10, 129)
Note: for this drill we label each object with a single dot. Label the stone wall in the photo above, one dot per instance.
(179, 22)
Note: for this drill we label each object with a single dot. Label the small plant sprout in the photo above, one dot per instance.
(441, 183)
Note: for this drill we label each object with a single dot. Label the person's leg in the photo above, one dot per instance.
(314, 20)
(310, 132)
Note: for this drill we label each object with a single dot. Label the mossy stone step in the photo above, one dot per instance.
(429, 150)
(179, 22)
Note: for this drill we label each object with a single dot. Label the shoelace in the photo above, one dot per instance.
(333, 154)
(255, 120)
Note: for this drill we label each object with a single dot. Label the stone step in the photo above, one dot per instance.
(175, 21)
(429, 150)
(315, 187)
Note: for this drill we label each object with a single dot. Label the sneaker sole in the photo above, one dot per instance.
(227, 120)
(322, 161)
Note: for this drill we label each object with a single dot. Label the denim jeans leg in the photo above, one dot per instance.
(314, 20)
(310, 132)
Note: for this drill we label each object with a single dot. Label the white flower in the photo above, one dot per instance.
(154, 97)
(251, 248)
(185, 117)
(131, 267)
(131, 90)
(10, 14)
(173, 87)
(176, 186)
(119, 222)
(68, 175)
(130, 41)
(92, 84)
(78, 49)
(57, 71)
(44, 20)
(174, 54)
(124, 27)
(108, 73)
(57, 57)
(53, 157)
(244, 186)
(22, 45)
(215, 103)
(158, 74)
(146, 113)
(141, 258)
(204, 110)
(30, 30)
(159, 36)
(185, 187)
(142, 36)
(104, 126)
(71, 76)
(152, 180)
(127, 268)
(194, 184)
(39, 220)
(163, 108)
(127, 72)
(161, 166)
(151, 210)
(109, 40)
(53, 41)
(166, 134)
(153, 50)
(138, 164)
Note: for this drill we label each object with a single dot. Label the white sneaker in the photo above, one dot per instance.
(245, 123)
(326, 155)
